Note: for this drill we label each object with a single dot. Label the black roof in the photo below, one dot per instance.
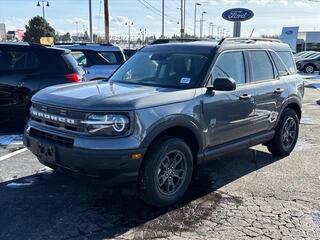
(223, 45)
(32, 45)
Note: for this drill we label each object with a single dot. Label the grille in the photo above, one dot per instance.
(78, 127)
(67, 142)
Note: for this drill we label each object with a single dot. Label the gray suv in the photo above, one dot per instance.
(169, 108)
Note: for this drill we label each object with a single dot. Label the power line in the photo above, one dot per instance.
(156, 10)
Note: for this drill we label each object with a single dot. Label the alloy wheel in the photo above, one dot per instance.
(171, 172)
(289, 132)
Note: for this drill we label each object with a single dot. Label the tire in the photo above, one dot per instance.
(158, 185)
(309, 68)
(286, 135)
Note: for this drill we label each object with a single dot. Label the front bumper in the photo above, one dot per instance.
(92, 162)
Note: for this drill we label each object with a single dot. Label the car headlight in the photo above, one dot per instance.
(107, 125)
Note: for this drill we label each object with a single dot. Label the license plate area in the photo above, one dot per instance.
(46, 152)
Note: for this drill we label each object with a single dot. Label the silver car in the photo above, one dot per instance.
(99, 60)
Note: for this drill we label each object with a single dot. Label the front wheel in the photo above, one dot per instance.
(166, 172)
(309, 68)
(286, 135)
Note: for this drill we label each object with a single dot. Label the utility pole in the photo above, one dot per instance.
(162, 19)
(181, 21)
(90, 21)
(106, 21)
(195, 19)
(183, 17)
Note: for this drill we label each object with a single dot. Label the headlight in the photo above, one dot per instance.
(107, 125)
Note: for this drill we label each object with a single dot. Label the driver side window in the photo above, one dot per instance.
(230, 64)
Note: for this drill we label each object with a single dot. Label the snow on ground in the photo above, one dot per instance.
(10, 140)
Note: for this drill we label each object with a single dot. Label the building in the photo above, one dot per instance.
(3, 34)
(308, 41)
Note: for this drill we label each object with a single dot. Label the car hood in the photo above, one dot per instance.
(102, 95)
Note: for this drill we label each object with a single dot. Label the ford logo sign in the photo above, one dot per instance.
(289, 32)
(238, 14)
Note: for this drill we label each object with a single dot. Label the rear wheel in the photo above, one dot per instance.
(309, 68)
(166, 172)
(286, 135)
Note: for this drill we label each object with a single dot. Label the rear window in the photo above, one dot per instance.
(15, 60)
(80, 57)
(262, 68)
(287, 58)
(114, 58)
(71, 61)
(282, 69)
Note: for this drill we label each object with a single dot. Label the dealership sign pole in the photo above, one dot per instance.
(237, 15)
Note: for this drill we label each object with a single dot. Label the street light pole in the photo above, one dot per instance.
(195, 19)
(43, 4)
(201, 23)
(211, 29)
(130, 23)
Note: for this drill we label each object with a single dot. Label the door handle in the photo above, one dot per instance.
(245, 97)
(279, 90)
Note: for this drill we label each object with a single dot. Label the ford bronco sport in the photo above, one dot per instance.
(169, 108)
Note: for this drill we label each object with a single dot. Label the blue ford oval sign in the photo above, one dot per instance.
(238, 14)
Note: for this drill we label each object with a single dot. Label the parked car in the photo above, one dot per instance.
(25, 69)
(308, 65)
(99, 60)
(169, 108)
(304, 55)
(129, 52)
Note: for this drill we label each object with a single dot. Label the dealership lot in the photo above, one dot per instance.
(249, 194)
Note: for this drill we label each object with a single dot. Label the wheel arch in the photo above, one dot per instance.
(294, 104)
(180, 127)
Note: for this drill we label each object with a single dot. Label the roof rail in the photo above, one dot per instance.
(84, 43)
(248, 40)
(31, 44)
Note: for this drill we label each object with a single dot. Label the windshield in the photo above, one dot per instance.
(177, 70)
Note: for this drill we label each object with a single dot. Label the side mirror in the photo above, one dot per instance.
(223, 84)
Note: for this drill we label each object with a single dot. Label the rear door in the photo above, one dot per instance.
(16, 67)
(229, 115)
(269, 87)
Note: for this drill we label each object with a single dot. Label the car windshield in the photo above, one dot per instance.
(176, 70)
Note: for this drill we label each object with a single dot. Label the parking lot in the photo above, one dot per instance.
(248, 194)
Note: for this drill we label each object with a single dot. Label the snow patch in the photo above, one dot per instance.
(10, 140)
(26, 183)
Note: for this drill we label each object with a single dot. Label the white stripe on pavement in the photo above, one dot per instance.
(12, 154)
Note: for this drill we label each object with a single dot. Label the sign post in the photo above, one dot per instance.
(237, 15)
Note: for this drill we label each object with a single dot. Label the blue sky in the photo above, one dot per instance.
(270, 15)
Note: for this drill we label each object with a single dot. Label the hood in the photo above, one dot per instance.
(102, 95)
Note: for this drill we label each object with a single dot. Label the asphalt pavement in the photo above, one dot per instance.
(245, 195)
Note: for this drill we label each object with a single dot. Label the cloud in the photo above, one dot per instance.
(119, 20)
(302, 4)
(77, 19)
(149, 17)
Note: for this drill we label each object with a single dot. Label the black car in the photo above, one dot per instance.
(25, 69)
(308, 65)
(129, 53)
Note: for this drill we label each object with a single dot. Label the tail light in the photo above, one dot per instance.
(73, 77)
